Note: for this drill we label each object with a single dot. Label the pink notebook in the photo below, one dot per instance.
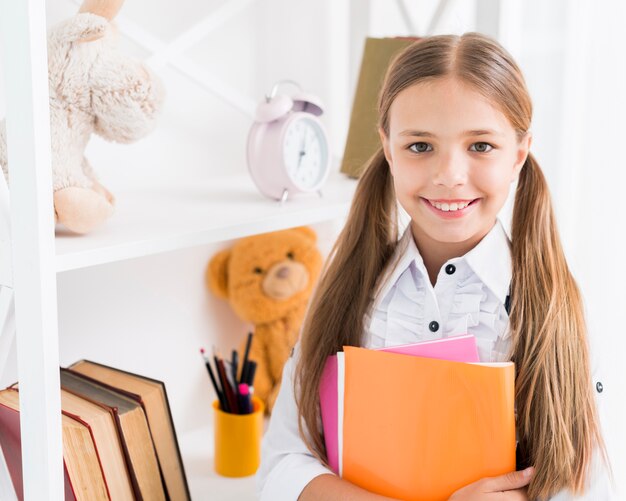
(456, 349)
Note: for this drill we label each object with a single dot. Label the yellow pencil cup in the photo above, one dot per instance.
(238, 440)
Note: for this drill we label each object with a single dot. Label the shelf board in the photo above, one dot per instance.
(149, 221)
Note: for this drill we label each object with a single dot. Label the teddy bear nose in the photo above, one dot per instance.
(282, 272)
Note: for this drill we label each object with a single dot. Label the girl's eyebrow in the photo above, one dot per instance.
(478, 132)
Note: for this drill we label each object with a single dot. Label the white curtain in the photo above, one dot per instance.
(593, 168)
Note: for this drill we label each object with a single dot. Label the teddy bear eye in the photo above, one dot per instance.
(258, 271)
(290, 255)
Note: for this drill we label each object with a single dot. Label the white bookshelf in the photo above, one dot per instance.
(182, 213)
(150, 220)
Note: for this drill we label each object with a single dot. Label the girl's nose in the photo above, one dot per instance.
(451, 170)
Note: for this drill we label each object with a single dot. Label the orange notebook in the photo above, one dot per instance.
(417, 428)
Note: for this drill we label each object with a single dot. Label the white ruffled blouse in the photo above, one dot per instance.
(468, 298)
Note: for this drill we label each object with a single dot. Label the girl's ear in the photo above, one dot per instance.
(385, 142)
(522, 155)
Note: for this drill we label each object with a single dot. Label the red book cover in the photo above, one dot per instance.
(11, 444)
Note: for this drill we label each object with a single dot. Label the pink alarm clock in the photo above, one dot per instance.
(287, 145)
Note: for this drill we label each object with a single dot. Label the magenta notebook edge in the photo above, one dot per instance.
(328, 410)
(455, 348)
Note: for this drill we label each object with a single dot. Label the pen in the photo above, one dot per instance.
(235, 363)
(244, 363)
(244, 371)
(244, 399)
(228, 389)
(250, 374)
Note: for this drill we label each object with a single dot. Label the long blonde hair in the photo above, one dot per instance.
(557, 421)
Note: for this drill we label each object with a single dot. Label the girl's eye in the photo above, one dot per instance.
(417, 147)
(420, 147)
(482, 145)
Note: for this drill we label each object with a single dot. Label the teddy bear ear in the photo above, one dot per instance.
(103, 8)
(306, 231)
(83, 27)
(217, 273)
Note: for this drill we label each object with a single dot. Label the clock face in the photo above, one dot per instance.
(305, 152)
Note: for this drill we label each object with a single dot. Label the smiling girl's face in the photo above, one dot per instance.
(449, 146)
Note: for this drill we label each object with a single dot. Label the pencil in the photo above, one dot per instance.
(207, 363)
(228, 390)
(224, 381)
(250, 374)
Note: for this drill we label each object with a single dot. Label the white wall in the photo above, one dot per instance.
(151, 315)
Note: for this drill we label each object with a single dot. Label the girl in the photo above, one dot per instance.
(454, 124)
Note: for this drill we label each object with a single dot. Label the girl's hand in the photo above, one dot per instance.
(508, 487)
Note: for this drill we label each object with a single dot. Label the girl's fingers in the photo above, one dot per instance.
(510, 481)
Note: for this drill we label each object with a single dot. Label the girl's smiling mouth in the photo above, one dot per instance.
(450, 209)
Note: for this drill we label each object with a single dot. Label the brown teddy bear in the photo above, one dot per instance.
(268, 280)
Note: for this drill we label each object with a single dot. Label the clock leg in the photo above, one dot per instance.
(285, 196)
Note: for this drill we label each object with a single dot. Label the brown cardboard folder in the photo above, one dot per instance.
(418, 428)
(363, 141)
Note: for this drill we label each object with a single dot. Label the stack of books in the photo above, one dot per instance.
(119, 440)
(419, 421)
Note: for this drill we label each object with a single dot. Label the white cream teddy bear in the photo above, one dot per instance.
(93, 88)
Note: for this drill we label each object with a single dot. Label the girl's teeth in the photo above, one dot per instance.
(449, 207)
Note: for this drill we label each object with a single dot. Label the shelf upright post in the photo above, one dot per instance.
(34, 271)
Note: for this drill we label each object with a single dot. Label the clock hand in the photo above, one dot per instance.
(302, 149)
(302, 153)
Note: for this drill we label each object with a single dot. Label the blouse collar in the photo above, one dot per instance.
(490, 260)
